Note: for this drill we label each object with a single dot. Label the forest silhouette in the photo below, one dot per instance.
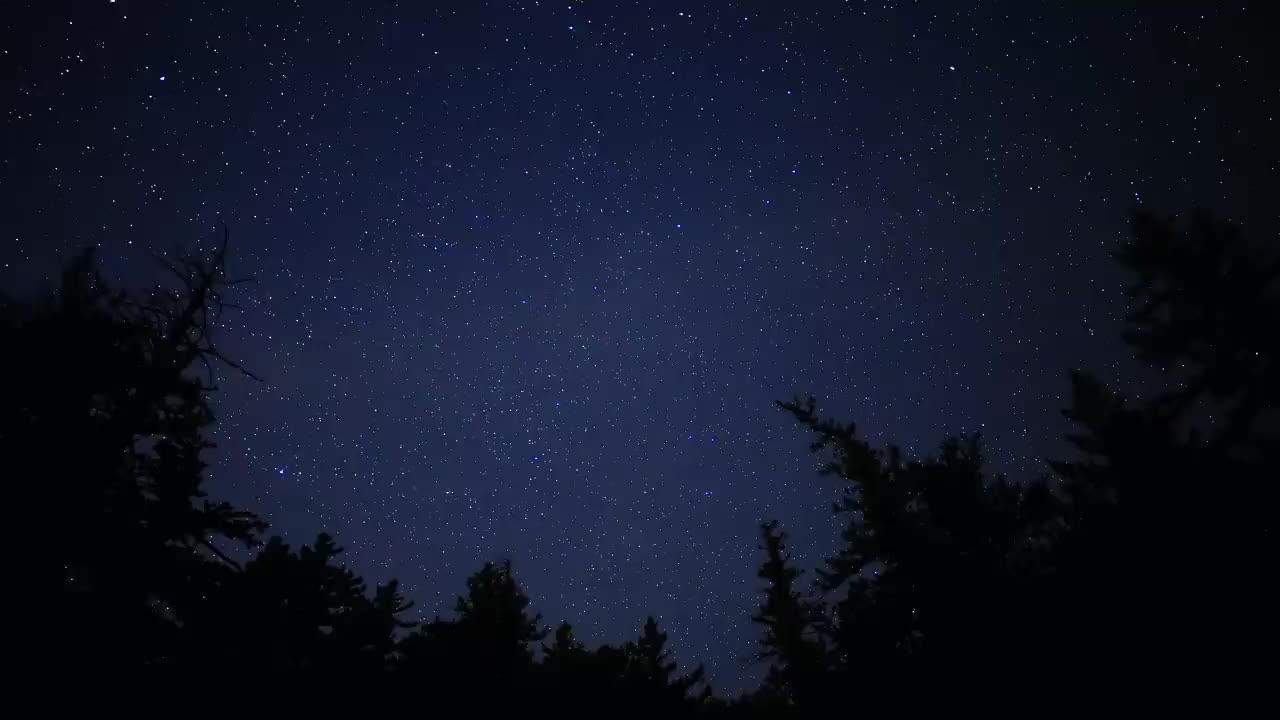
(1142, 549)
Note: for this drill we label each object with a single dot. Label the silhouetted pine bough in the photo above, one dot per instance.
(1142, 553)
(1145, 549)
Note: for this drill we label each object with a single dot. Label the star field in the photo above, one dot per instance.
(530, 275)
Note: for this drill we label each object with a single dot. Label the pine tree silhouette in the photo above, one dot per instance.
(1172, 483)
(1205, 305)
(940, 567)
(940, 564)
(109, 391)
(297, 612)
(489, 645)
(650, 674)
(791, 623)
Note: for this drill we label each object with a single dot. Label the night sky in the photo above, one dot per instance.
(531, 275)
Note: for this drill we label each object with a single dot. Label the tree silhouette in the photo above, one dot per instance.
(791, 624)
(639, 676)
(917, 532)
(574, 678)
(1172, 483)
(110, 391)
(103, 394)
(298, 612)
(489, 645)
(494, 617)
(565, 649)
(650, 673)
(940, 564)
(1205, 304)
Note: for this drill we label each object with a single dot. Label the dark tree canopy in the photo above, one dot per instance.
(298, 611)
(107, 395)
(791, 624)
(1143, 548)
(941, 566)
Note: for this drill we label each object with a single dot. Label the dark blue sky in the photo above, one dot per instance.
(531, 275)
